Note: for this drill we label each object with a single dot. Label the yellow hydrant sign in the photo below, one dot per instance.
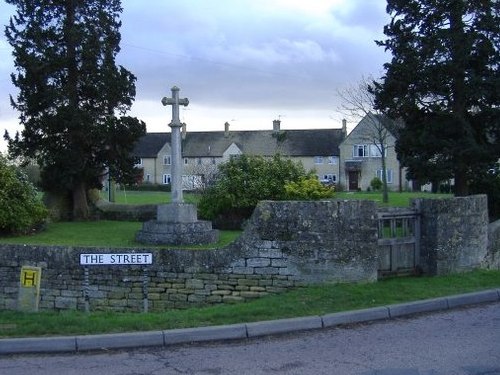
(29, 288)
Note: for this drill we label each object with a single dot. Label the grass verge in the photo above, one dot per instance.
(313, 300)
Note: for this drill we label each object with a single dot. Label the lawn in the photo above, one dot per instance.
(155, 197)
(396, 199)
(307, 301)
(99, 233)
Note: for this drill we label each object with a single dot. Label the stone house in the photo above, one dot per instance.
(361, 157)
(202, 152)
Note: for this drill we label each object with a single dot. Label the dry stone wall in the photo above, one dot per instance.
(454, 233)
(492, 259)
(286, 245)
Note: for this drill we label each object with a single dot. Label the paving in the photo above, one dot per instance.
(239, 331)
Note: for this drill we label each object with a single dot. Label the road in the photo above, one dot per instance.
(465, 341)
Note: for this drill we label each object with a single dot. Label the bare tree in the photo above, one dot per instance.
(358, 102)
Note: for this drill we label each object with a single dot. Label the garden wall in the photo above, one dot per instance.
(285, 245)
(492, 259)
(454, 233)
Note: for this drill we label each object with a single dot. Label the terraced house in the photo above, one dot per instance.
(348, 161)
(202, 152)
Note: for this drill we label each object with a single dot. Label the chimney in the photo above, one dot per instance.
(344, 127)
(276, 126)
(226, 129)
(183, 130)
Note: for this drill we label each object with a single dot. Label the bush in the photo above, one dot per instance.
(21, 210)
(244, 181)
(376, 184)
(308, 189)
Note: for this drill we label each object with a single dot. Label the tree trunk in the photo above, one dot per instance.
(80, 205)
(385, 194)
(461, 185)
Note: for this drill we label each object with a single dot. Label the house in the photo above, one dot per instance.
(202, 152)
(361, 156)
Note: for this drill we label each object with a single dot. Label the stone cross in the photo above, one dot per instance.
(176, 125)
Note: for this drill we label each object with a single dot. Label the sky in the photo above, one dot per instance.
(245, 62)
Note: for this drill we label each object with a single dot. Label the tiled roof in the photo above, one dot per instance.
(311, 142)
(150, 144)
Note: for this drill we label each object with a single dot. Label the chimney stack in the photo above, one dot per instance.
(344, 127)
(276, 126)
(226, 129)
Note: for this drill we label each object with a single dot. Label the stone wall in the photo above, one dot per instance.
(285, 245)
(492, 259)
(113, 211)
(454, 233)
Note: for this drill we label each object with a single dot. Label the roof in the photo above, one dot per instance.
(150, 144)
(371, 119)
(311, 142)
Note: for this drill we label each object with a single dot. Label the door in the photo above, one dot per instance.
(353, 180)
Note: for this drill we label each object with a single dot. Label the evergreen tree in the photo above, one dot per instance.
(72, 96)
(443, 81)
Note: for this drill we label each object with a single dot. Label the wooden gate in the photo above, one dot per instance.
(399, 241)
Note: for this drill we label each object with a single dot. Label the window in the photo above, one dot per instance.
(167, 160)
(388, 174)
(365, 151)
(331, 178)
(186, 161)
(139, 162)
(199, 161)
(360, 151)
(375, 151)
(148, 178)
(318, 160)
(213, 161)
(167, 179)
(332, 160)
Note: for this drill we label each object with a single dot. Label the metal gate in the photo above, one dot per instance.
(399, 241)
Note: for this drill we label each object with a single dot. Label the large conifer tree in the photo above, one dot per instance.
(443, 81)
(72, 96)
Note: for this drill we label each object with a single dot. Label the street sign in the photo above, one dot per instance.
(116, 259)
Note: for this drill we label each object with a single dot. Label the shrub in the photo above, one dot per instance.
(488, 182)
(244, 181)
(308, 189)
(376, 184)
(21, 210)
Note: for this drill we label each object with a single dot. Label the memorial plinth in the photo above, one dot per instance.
(177, 224)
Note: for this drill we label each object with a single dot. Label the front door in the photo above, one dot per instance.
(353, 180)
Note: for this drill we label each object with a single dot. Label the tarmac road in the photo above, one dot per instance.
(462, 341)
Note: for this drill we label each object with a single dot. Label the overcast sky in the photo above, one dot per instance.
(246, 62)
